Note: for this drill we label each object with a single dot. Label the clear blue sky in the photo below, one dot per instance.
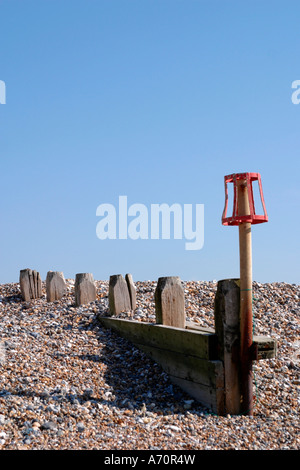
(157, 100)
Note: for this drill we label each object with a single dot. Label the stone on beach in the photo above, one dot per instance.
(55, 285)
(85, 288)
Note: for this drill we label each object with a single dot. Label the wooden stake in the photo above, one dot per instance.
(246, 340)
(227, 327)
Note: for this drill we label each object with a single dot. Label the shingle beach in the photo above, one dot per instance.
(67, 383)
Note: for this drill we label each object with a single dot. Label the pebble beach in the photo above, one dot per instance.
(67, 383)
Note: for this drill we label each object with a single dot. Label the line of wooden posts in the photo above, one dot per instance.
(205, 362)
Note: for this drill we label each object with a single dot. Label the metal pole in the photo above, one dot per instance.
(245, 246)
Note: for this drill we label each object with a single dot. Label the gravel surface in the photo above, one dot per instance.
(66, 383)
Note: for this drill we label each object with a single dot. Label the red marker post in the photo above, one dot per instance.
(244, 216)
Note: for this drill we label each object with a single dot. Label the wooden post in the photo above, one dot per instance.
(55, 285)
(30, 284)
(245, 246)
(227, 327)
(169, 302)
(131, 290)
(85, 289)
(118, 295)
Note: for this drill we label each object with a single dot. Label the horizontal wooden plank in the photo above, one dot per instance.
(202, 393)
(194, 326)
(195, 343)
(183, 355)
(266, 347)
(184, 366)
(211, 397)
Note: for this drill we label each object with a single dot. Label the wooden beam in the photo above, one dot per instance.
(194, 343)
(227, 322)
(266, 346)
(185, 355)
(189, 356)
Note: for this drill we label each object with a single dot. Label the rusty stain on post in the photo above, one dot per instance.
(246, 324)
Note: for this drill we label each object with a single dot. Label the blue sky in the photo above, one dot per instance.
(157, 100)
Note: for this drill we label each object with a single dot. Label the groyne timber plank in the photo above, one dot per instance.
(266, 345)
(183, 354)
(183, 366)
(194, 326)
(211, 396)
(195, 343)
(201, 378)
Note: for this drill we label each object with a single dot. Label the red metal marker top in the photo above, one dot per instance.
(237, 219)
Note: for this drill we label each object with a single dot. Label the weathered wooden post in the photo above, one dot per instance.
(55, 285)
(227, 327)
(131, 290)
(169, 302)
(118, 295)
(85, 289)
(244, 215)
(30, 284)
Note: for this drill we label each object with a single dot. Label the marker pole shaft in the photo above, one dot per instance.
(246, 323)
